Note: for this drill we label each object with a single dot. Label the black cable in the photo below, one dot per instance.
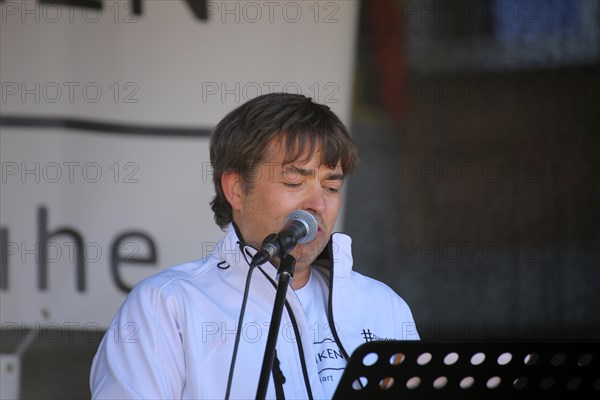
(238, 333)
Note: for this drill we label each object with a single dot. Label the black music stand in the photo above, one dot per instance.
(474, 370)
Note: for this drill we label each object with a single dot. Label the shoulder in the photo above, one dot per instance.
(173, 281)
(189, 271)
(381, 294)
(374, 287)
(193, 272)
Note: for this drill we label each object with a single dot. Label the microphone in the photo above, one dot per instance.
(301, 227)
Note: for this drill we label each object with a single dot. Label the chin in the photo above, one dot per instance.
(306, 254)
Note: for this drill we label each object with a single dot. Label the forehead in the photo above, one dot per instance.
(280, 152)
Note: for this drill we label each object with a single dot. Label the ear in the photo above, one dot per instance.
(231, 182)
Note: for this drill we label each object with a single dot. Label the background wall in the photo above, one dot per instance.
(107, 108)
(477, 198)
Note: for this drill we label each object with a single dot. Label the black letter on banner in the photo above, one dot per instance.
(116, 257)
(200, 9)
(136, 5)
(43, 237)
(93, 4)
(3, 258)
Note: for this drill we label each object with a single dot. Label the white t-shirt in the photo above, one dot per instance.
(329, 359)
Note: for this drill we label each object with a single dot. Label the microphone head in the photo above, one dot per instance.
(308, 220)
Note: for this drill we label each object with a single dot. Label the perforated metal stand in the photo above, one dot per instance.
(496, 370)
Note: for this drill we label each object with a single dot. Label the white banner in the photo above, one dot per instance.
(104, 137)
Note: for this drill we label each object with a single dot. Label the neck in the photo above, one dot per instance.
(301, 277)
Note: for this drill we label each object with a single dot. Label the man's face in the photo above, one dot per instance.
(279, 189)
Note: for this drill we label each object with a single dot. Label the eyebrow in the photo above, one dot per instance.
(310, 172)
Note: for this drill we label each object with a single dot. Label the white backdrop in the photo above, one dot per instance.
(164, 72)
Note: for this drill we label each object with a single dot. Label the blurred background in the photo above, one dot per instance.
(476, 198)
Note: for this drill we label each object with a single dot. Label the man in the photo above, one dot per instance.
(274, 154)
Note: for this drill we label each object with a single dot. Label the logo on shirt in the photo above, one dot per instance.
(367, 335)
(371, 337)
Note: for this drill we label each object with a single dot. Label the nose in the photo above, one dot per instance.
(315, 199)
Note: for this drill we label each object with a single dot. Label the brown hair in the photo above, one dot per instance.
(239, 142)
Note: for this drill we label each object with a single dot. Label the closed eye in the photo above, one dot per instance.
(332, 189)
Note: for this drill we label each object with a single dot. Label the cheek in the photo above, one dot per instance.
(333, 208)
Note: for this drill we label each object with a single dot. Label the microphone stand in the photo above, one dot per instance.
(285, 273)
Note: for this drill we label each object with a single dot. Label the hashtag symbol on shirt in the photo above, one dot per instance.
(367, 335)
